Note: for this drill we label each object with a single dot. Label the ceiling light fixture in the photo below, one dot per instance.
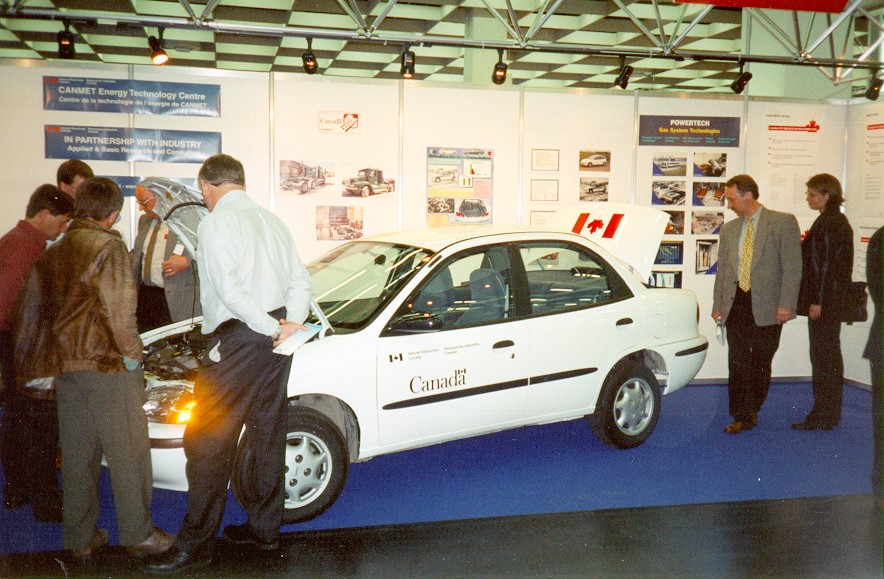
(407, 69)
(741, 81)
(623, 77)
(309, 59)
(874, 88)
(158, 56)
(66, 48)
(499, 74)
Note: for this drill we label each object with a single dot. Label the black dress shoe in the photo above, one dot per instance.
(244, 535)
(809, 424)
(174, 561)
(15, 500)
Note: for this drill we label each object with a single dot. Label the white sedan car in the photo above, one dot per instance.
(448, 333)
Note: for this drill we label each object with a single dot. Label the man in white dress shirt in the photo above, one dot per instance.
(254, 294)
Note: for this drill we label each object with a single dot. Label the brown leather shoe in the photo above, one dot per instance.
(158, 542)
(99, 539)
(738, 426)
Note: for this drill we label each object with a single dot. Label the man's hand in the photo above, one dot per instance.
(783, 315)
(175, 264)
(814, 311)
(717, 317)
(286, 329)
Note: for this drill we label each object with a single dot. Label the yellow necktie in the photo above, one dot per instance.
(746, 257)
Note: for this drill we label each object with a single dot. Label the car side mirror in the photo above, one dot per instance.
(416, 323)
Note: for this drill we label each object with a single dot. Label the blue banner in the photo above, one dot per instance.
(125, 144)
(679, 131)
(127, 184)
(109, 95)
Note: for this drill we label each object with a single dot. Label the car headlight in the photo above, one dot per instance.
(169, 403)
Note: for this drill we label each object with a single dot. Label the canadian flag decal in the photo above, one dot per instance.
(598, 224)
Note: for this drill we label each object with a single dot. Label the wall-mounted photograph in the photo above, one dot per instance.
(668, 193)
(337, 222)
(670, 165)
(710, 164)
(708, 194)
(367, 182)
(303, 177)
(442, 176)
(670, 253)
(595, 161)
(676, 223)
(544, 189)
(664, 279)
(473, 210)
(594, 189)
(707, 256)
(440, 205)
(706, 222)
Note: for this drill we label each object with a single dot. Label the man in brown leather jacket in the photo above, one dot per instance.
(77, 323)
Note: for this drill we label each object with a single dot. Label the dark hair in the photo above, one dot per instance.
(68, 170)
(222, 168)
(744, 184)
(827, 185)
(51, 198)
(97, 198)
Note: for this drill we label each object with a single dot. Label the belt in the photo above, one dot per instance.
(233, 322)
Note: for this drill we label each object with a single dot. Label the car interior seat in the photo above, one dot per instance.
(436, 296)
(489, 296)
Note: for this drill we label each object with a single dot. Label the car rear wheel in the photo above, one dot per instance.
(316, 466)
(628, 406)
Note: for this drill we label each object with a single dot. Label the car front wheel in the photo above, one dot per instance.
(316, 466)
(366, 191)
(628, 407)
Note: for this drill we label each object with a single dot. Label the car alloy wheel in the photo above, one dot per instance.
(628, 406)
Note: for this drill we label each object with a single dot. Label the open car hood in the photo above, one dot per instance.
(631, 232)
(179, 206)
(182, 209)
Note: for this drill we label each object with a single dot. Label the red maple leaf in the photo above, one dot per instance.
(595, 225)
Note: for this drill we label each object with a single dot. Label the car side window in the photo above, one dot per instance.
(470, 289)
(563, 277)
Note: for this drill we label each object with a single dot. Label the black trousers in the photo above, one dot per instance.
(153, 309)
(246, 386)
(28, 438)
(751, 349)
(828, 370)
(878, 426)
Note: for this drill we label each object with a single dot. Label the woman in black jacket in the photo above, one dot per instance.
(827, 252)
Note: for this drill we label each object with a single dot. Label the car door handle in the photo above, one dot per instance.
(624, 321)
(503, 344)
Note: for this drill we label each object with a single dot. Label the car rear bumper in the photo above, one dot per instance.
(683, 361)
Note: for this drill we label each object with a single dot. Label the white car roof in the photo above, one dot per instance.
(438, 238)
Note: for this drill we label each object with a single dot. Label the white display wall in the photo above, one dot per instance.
(550, 151)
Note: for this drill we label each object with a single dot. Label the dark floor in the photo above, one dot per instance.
(811, 537)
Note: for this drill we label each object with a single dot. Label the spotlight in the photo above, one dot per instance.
(874, 88)
(499, 74)
(407, 69)
(158, 56)
(625, 72)
(741, 81)
(66, 48)
(309, 59)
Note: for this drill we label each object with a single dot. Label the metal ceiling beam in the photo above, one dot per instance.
(189, 10)
(542, 16)
(377, 22)
(503, 22)
(639, 24)
(418, 40)
(353, 12)
(209, 10)
(699, 18)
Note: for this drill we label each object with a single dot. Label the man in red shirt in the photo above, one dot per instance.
(29, 428)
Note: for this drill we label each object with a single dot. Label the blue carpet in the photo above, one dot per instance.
(562, 467)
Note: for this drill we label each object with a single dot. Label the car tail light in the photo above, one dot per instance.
(458, 214)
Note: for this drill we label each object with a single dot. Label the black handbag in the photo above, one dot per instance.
(855, 303)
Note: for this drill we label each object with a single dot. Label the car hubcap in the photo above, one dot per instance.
(634, 406)
(308, 468)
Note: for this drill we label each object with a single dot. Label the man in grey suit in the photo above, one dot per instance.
(168, 287)
(756, 292)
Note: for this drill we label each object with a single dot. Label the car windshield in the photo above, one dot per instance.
(353, 282)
